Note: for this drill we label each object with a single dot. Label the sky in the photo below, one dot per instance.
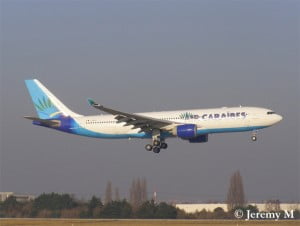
(138, 56)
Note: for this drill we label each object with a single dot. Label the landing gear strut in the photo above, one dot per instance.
(156, 143)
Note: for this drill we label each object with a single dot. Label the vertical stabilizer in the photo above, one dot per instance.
(46, 104)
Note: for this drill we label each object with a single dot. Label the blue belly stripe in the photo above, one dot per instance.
(69, 125)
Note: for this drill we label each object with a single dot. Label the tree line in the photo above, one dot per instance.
(54, 205)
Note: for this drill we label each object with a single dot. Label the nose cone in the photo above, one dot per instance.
(277, 118)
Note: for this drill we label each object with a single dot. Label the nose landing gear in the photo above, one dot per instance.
(254, 136)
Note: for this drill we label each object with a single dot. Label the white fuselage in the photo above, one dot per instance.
(214, 120)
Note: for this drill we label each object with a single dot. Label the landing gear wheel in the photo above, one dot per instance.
(164, 145)
(156, 149)
(148, 147)
(156, 143)
(254, 138)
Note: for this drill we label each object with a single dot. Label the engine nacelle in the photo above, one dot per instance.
(199, 139)
(186, 131)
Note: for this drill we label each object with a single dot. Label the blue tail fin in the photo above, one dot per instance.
(46, 104)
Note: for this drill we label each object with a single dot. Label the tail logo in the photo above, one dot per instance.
(46, 107)
(188, 115)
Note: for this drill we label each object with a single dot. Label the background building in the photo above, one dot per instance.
(19, 198)
(191, 208)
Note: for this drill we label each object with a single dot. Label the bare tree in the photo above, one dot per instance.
(117, 195)
(144, 190)
(132, 194)
(138, 192)
(235, 195)
(108, 193)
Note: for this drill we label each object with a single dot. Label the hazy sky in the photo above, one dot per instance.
(139, 56)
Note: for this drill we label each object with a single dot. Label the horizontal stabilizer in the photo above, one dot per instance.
(44, 122)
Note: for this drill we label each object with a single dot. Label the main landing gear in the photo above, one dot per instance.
(158, 142)
(156, 146)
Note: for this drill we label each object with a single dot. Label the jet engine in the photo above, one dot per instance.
(199, 139)
(186, 131)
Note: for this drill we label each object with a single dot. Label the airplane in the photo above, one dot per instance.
(193, 126)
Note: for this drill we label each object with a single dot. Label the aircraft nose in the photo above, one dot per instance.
(278, 118)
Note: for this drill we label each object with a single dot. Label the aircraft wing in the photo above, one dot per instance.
(145, 123)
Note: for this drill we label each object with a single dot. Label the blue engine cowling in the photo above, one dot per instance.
(186, 131)
(199, 139)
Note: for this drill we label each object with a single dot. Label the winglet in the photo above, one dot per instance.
(91, 102)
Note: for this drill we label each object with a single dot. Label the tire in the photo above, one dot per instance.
(148, 147)
(164, 145)
(156, 149)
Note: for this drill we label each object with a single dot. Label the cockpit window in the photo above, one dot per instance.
(270, 112)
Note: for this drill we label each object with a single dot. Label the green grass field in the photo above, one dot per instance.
(75, 222)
